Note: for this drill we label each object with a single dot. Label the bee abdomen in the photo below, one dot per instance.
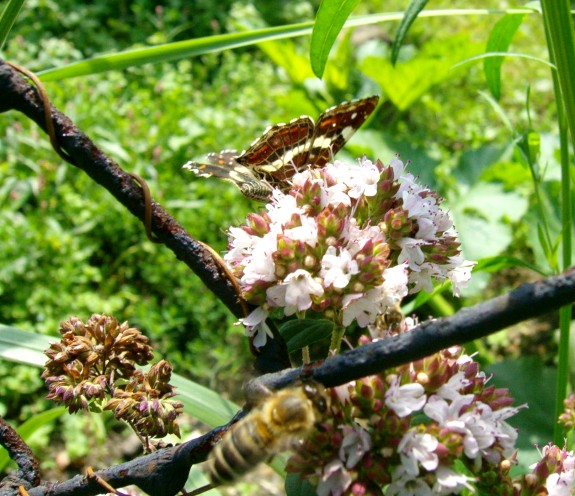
(248, 444)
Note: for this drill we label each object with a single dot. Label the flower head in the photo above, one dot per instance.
(399, 429)
(347, 241)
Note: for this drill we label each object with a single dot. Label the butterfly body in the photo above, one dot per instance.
(285, 149)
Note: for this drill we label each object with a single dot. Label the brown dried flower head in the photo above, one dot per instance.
(94, 367)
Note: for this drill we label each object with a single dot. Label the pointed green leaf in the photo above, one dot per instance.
(330, 18)
(7, 18)
(23, 347)
(411, 13)
(304, 332)
(499, 41)
(173, 51)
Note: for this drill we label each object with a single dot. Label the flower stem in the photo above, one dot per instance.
(336, 337)
(305, 355)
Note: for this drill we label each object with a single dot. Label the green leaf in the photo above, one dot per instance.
(338, 73)
(330, 18)
(284, 55)
(496, 264)
(499, 41)
(411, 13)
(528, 381)
(173, 51)
(482, 216)
(23, 347)
(8, 17)
(543, 241)
(31, 425)
(409, 80)
(202, 403)
(304, 332)
(296, 486)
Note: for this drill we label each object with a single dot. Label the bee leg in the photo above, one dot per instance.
(255, 392)
(199, 490)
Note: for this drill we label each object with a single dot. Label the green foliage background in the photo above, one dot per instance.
(69, 249)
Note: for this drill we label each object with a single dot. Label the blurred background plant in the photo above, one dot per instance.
(69, 249)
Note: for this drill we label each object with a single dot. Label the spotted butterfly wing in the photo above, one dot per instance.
(223, 165)
(285, 149)
(281, 150)
(335, 127)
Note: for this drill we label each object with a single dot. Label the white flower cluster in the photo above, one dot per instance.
(561, 464)
(476, 430)
(349, 241)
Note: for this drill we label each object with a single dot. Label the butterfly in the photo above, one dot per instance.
(285, 149)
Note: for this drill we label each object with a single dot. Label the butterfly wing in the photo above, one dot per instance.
(336, 126)
(281, 151)
(225, 166)
(284, 149)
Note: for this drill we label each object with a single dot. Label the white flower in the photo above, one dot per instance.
(394, 287)
(306, 233)
(422, 277)
(411, 252)
(479, 425)
(562, 484)
(256, 326)
(363, 307)
(427, 229)
(336, 195)
(480, 433)
(363, 179)
(334, 480)
(294, 294)
(448, 416)
(406, 399)
(242, 243)
(405, 484)
(398, 168)
(451, 389)
(569, 461)
(450, 482)
(337, 269)
(343, 393)
(417, 449)
(260, 264)
(460, 273)
(356, 443)
(416, 205)
(282, 207)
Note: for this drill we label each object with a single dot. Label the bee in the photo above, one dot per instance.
(389, 322)
(279, 423)
(393, 317)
